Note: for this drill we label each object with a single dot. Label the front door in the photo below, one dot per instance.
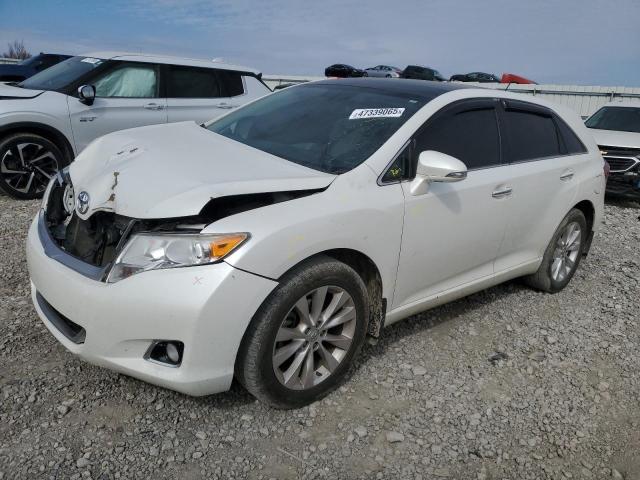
(127, 96)
(452, 234)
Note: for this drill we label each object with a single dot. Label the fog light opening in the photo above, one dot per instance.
(166, 352)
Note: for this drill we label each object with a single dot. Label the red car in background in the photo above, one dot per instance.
(513, 78)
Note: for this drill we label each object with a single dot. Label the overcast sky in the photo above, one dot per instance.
(588, 42)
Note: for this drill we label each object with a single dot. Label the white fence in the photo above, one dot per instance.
(585, 100)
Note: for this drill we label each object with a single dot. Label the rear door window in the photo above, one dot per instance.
(530, 133)
(193, 82)
(467, 131)
(190, 82)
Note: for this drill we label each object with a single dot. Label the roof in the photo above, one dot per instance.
(417, 88)
(623, 103)
(166, 59)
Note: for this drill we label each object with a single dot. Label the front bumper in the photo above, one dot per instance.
(208, 308)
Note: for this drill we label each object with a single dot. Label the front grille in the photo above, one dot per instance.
(621, 164)
(620, 159)
(95, 240)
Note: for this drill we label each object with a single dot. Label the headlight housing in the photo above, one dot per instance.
(150, 251)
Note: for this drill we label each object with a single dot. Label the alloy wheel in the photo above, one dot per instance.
(314, 337)
(27, 167)
(565, 255)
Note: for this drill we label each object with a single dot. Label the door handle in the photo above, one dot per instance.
(502, 192)
(568, 175)
(154, 106)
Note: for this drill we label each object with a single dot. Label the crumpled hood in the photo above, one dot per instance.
(9, 91)
(613, 138)
(173, 170)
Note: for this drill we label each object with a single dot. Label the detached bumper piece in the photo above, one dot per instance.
(72, 331)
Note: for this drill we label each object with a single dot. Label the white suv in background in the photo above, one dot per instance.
(46, 120)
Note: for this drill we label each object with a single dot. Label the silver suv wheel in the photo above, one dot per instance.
(314, 337)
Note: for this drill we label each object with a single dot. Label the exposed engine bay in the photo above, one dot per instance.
(99, 239)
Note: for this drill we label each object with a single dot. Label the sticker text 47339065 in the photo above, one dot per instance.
(376, 113)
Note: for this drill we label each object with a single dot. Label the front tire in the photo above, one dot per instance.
(27, 163)
(563, 254)
(301, 343)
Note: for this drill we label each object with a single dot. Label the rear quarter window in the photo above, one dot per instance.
(572, 144)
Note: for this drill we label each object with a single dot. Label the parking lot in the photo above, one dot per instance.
(506, 384)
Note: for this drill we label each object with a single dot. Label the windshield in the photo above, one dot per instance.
(623, 119)
(328, 127)
(61, 74)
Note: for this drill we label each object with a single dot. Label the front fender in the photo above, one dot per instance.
(353, 213)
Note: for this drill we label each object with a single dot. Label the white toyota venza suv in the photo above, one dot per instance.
(46, 120)
(267, 244)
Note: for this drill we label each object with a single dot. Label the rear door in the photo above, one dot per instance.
(127, 96)
(201, 94)
(452, 234)
(546, 161)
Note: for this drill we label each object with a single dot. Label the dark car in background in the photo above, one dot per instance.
(344, 71)
(16, 72)
(479, 77)
(422, 73)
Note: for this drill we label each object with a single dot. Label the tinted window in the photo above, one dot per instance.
(136, 80)
(231, 83)
(468, 135)
(530, 135)
(188, 82)
(572, 144)
(328, 127)
(624, 119)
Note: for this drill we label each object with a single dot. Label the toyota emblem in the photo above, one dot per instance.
(83, 202)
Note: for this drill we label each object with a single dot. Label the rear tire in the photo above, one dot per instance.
(563, 254)
(287, 361)
(27, 162)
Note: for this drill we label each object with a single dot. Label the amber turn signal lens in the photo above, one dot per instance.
(221, 246)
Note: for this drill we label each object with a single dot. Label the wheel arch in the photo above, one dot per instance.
(370, 274)
(52, 134)
(588, 210)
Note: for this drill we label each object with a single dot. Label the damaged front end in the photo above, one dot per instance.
(92, 245)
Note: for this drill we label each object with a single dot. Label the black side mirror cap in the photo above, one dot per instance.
(87, 94)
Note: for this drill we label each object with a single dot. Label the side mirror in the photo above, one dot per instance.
(87, 94)
(436, 167)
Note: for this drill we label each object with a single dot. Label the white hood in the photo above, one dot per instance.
(167, 171)
(614, 138)
(17, 92)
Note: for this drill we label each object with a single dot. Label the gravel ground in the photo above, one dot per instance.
(505, 384)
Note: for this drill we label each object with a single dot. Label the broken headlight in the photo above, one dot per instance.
(156, 251)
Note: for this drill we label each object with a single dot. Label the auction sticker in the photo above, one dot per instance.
(376, 113)
(92, 61)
